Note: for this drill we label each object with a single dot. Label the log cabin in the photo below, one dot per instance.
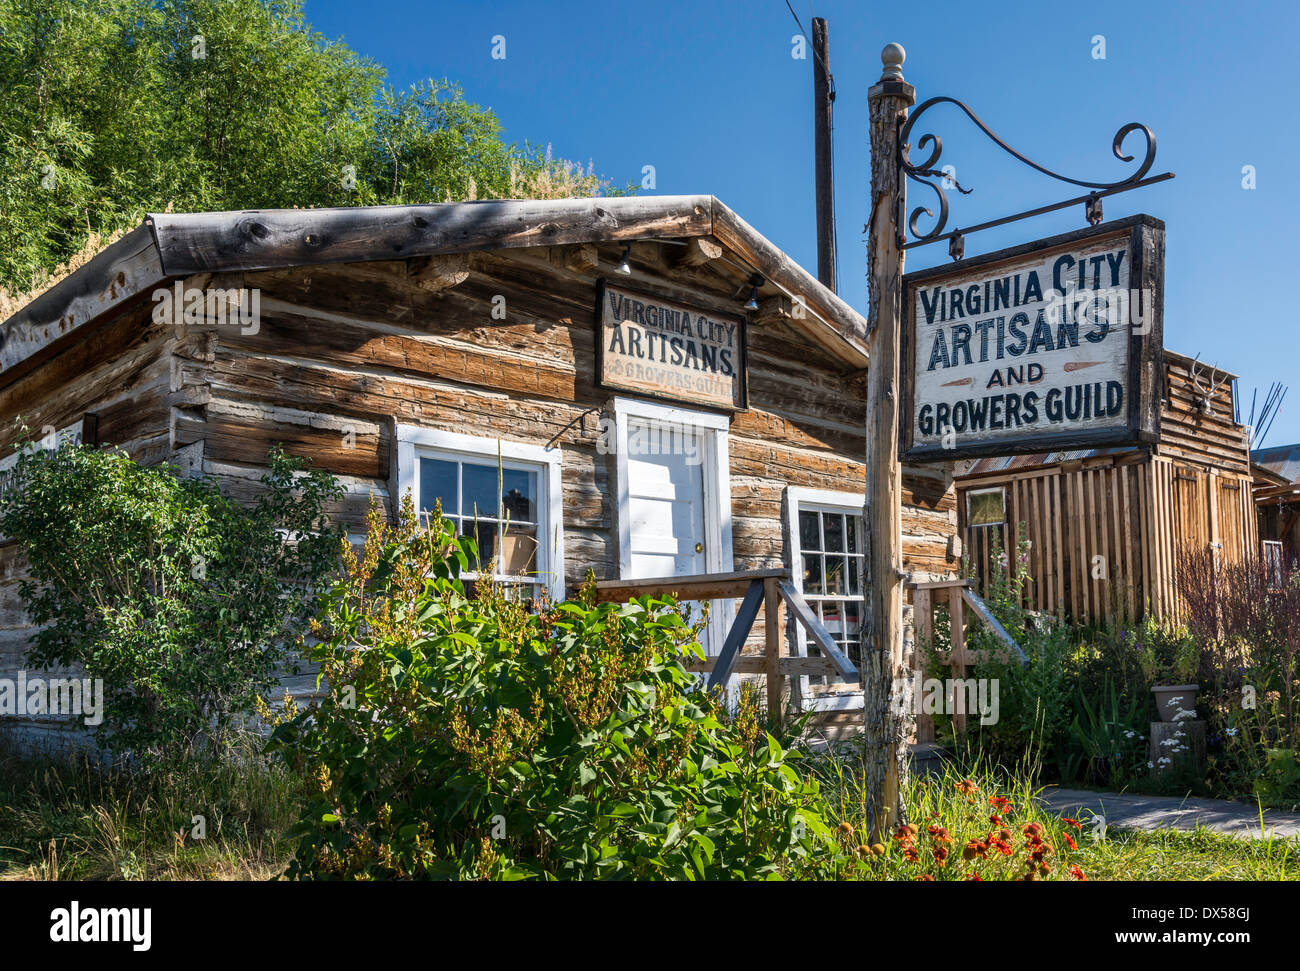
(641, 387)
(1106, 526)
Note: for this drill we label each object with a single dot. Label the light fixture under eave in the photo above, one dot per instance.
(625, 267)
(755, 281)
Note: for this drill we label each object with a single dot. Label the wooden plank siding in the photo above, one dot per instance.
(1107, 530)
(1105, 540)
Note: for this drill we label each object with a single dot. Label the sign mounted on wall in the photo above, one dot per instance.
(1047, 346)
(667, 350)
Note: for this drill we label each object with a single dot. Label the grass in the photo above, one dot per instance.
(958, 805)
(64, 818)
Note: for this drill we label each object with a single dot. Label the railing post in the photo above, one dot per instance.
(957, 653)
(923, 642)
(772, 646)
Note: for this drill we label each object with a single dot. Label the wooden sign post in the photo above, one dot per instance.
(882, 655)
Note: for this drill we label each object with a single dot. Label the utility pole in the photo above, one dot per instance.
(882, 655)
(823, 100)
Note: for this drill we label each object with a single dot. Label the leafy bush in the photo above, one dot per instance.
(466, 738)
(1246, 618)
(1106, 745)
(1033, 699)
(182, 600)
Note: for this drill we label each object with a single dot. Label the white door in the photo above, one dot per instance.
(666, 529)
(674, 498)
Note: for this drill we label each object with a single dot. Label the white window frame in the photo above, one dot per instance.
(414, 442)
(847, 697)
(1274, 556)
(715, 461)
(1001, 490)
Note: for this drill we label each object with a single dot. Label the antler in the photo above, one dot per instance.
(1207, 394)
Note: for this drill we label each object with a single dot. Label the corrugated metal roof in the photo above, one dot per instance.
(1008, 462)
(1283, 460)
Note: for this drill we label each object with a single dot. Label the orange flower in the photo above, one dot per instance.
(975, 849)
(925, 876)
(966, 787)
(1071, 822)
(1077, 873)
(940, 834)
(941, 855)
(974, 876)
(1069, 841)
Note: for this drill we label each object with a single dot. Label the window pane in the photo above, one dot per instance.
(835, 574)
(809, 539)
(480, 495)
(853, 618)
(855, 527)
(519, 495)
(855, 587)
(812, 574)
(833, 530)
(518, 552)
(438, 483)
(985, 508)
(484, 534)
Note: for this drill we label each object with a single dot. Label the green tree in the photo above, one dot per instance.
(185, 602)
(117, 107)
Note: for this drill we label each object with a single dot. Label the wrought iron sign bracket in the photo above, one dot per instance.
(929, 174)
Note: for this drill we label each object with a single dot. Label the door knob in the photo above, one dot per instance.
(699, 547)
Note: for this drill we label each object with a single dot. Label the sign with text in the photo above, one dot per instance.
(668, 350)
(1053, 345)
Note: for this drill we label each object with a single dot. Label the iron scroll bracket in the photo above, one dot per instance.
(929, 174)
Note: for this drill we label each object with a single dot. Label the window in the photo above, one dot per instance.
(826, 540)
(1273, 562)
(986, 507)
(503, 495)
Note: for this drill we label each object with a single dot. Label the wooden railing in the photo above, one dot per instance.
(959, 596)
(774, 592)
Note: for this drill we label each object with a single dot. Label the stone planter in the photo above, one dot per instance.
(1170, 698)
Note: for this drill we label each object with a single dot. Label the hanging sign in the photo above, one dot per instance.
(668, 350)
(1047, 346)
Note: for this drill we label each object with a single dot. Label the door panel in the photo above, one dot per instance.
(665, 508)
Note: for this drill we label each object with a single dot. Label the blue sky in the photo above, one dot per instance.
(708, 93)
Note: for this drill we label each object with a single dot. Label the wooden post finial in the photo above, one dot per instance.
(892, 58)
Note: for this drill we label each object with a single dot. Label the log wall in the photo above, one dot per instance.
(344, 352)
